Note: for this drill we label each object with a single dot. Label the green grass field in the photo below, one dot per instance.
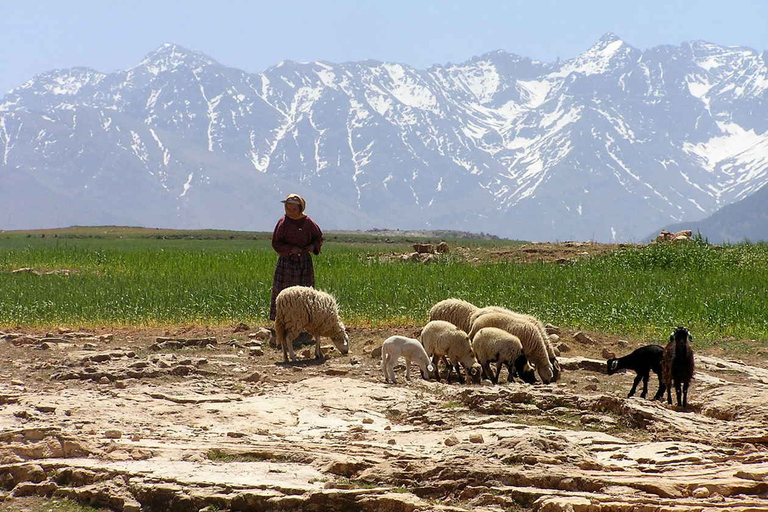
(139, 277)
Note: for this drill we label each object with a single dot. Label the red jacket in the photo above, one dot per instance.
(291, 233)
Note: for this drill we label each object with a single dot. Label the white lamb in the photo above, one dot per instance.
(396, 346)
(534, 346)
(443, 340)
(526, 318)
(303, 309)
(494, 345)
(455, 311)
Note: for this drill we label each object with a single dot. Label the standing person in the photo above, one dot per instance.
(294, 237)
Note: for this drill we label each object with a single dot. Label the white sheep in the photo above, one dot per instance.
(443, 340)
(396, 346)
(526, 318)
(303, 309)
(455, 311)
(534, 346)
(494, 345)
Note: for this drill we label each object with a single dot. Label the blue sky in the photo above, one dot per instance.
(41, 35)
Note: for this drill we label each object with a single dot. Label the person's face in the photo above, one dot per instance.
(292, 210)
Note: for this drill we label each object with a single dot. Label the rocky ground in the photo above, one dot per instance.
(191, 419)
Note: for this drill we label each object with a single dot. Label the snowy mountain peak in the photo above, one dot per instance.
(171, 56)
(608, 145)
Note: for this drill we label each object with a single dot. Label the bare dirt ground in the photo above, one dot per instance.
(194, 419)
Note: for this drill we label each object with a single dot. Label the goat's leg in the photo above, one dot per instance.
(679, 393)
(634, 385)
(645, 384)
(660, 392)
(685, 395)
(669, 395)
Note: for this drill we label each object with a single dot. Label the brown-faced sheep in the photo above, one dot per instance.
(678, 365)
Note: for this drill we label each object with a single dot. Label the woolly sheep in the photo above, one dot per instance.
(642, 361)
(556, 370)
(442, 339)
(411, 349)
(531, 338)
(303, 309)
(455, 311)
(493, 345)
(677, 367)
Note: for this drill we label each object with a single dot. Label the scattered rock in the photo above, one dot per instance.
(451, 441)
(562, 347)
(113, 434)
(254, 377)
(607, 354)
(241, 327)
(476, 438)
(701, 492)
(591, 387)
(583, 338)
(622, 343)
(376, 353)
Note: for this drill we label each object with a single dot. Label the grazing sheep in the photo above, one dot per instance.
(455, 311)
(678, 366)
(642, 361)
(303, 309)
(534, 346)
(556, 370)
(442, 339)
(411, 349)
(493, 345)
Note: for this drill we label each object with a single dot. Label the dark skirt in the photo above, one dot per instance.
(295, 270)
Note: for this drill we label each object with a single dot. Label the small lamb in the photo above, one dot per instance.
(411, 349)
(642, 361)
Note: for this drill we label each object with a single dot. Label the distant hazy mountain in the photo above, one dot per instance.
(744, 220)
(607, 146)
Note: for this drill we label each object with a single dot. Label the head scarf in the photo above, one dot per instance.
(298, 200)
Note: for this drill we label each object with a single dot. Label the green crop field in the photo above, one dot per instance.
(140, 277)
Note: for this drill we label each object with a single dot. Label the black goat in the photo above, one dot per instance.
(678, 366)
(642, 361)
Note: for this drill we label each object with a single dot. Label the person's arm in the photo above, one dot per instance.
(279, 243)
(317, 239)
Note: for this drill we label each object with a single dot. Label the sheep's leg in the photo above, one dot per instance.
(459, 375)
(318, 348)
(448, 367)
(435, 360)
(384, 366)
(634, 385)
(499, 366)
(407, 368)
(290, 336)
(486, 373)
(510, 372)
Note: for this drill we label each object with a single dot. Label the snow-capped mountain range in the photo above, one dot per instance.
(606, 146)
